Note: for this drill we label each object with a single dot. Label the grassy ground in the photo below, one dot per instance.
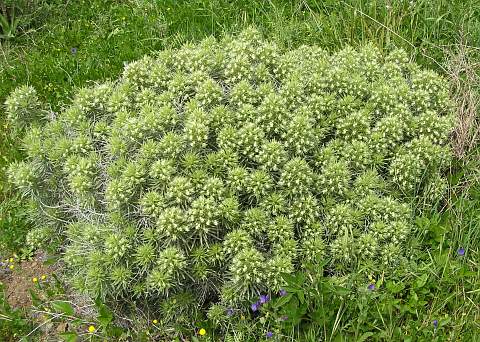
(66, 44)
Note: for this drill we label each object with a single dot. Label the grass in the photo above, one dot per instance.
(108, 33)
(442, 35)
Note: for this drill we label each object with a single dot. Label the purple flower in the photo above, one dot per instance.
(461, 251)
(229, 312)
(282, 293)
(264, 299)
(255, 306)
(284, 318)
(435, 324)
(371, 287)
(73, 50)
(269, 334)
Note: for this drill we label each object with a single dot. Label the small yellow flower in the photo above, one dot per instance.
(35, 279)
(155, 321)
(11, 260)
(44, 277)
(11, 267)
(202, 332)
(91, 328)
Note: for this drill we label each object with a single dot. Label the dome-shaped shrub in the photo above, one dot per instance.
(211, 170)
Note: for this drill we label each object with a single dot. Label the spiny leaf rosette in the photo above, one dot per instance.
(214, 169)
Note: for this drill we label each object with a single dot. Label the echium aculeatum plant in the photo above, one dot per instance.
(216, 168)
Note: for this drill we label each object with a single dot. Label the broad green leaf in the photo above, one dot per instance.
(421, 281)
(105, 315)
(63, 307)
(69, 336)
(395, 287)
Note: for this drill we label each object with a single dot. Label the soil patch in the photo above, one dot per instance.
(19, 281)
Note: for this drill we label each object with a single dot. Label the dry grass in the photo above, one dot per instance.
(463, 71)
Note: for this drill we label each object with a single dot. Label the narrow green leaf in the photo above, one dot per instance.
(35, 298)
(283, 300)
(365, 336)
(290, 279)
(301, 296)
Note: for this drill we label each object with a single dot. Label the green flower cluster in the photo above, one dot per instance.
(216, 168)
(23, 107)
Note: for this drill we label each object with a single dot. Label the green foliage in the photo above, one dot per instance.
(13, 322)
(13, 225)
(124, 31)
(393, 308)
(16, 16)
(181, 203)
(8, 24)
